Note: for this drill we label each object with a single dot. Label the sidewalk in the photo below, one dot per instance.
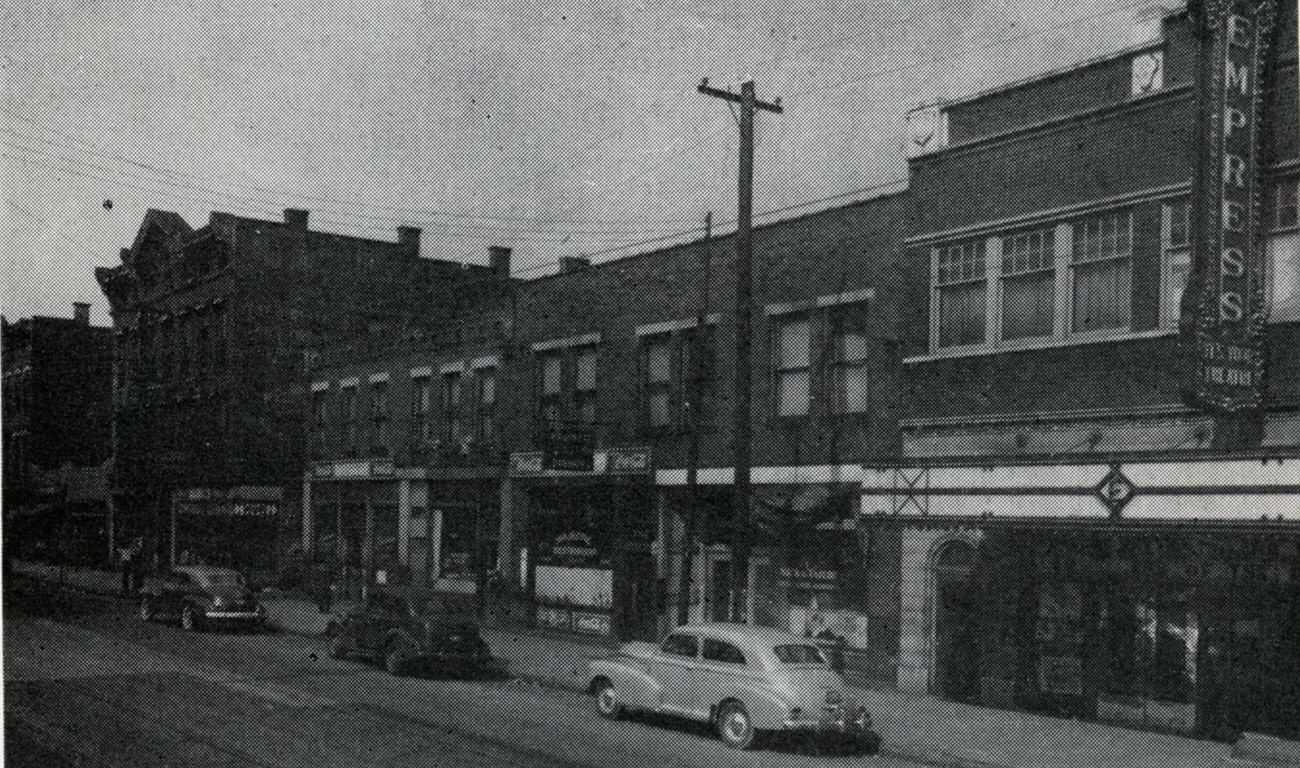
(921, 728)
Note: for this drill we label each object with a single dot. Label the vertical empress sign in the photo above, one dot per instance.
(1223, 309)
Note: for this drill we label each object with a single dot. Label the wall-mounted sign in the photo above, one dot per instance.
(1223, 308)
(567, 446)
(571, 549)
(927, 130)
(628, 460)
(227, 509)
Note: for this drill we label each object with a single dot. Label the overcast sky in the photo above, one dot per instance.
(558, 129)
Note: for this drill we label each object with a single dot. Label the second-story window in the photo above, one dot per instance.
(658, 353)
(421, 410)
(379, 419)
(960, 294)
(1028, 284)
(486, 378)
(1176, 262)
(451, 404)
(1282, 247)
(699, 361)
(791, 367)
(1102, 273)
(319, 400)
(851, 373)
(348, 408)
(585, 385)
(551, 369)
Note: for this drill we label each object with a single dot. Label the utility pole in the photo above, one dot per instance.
(744, 322)
(691, 528)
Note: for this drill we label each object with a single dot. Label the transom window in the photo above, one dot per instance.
(960, 294)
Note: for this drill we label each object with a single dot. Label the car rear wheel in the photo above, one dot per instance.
(399, 657)
(189, 619)
(607, 703)
(734, 726)
(146, 609)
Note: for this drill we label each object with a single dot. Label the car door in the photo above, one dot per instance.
(721, 669)
(674, 668)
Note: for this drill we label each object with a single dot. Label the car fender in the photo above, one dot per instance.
(767, 709)
(631, 677)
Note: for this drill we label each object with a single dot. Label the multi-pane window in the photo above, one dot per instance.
(791, 367)
(451, 404)
(379, 418)
(318, 423)
(850, 376)
(1282, 248)
(584, 385)
(1102, 267)
(1028, 284)
(551, 367)
(659, 381)
(348, 408)
(1177, 260)
(487, 403)
(960, 294)
(422, 409)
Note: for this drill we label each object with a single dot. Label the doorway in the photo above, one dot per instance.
(957, 656)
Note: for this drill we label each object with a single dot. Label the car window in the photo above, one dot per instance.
(717, 650)
(221, 580)
(799, 654)
(678, 644)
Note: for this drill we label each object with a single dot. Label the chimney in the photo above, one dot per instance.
(81, 313)
(573, 264)
(409, 239)
(499, 261)
(296, 217)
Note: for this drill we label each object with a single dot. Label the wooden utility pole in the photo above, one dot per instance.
(691, 527)
(744, 322)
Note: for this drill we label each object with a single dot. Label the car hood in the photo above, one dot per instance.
(638, 650)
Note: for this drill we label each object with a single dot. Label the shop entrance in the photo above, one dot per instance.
(956, 623)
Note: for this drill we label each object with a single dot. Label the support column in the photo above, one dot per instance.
(110, 507)
(403, 521)
(368, 549)
(435, 544)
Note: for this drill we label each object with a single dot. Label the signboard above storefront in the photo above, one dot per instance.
(1224, 306)
(614, 461)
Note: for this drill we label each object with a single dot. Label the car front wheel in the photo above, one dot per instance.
(398, 659)
(146, 609)
(189, 619)
(607, 701)
(734, 726)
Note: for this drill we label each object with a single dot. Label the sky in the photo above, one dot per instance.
(558, 129)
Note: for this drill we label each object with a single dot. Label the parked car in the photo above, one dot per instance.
(409, 628)
(746, 681)
(201, 596)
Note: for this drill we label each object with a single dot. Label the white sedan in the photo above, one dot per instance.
(744, 680)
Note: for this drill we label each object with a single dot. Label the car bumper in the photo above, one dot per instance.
(838, 729)
(234, 617)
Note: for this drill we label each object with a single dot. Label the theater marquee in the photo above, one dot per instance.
(1223, 311)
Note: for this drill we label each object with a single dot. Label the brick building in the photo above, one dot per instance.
(212, 329)
(1076, 537)
(57, 430)
(602, 359)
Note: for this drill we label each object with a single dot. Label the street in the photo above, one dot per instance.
(88, 683)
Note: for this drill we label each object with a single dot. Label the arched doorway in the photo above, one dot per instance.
(956, 622)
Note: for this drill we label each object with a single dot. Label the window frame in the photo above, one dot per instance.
(1076, 264)
(348, 418)
(704, 652)
(452, 399)
(780, 368)
(585, 397)
(1046, 254)
(652, 387)
(379, 418)
(1175, 252)
(938, 284)
(695, 641)
(422, 409)
(485, 409)
(839, 320)
(1279, 232)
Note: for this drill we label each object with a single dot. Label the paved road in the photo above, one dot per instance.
(86, 683)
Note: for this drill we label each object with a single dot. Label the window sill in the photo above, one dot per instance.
(1040, 344)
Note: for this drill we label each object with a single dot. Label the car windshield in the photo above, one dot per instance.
(799, 654)
(220, 580)
(446, 609)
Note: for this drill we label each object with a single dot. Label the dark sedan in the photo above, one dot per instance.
(202, 596)
(406, 629)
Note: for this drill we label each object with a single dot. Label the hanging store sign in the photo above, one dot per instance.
(1223, 309)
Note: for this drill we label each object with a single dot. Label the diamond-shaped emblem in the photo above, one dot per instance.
(1115, 490)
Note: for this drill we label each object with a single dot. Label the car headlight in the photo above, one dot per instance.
(217, 601)
(261, 610)
(864, 717)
